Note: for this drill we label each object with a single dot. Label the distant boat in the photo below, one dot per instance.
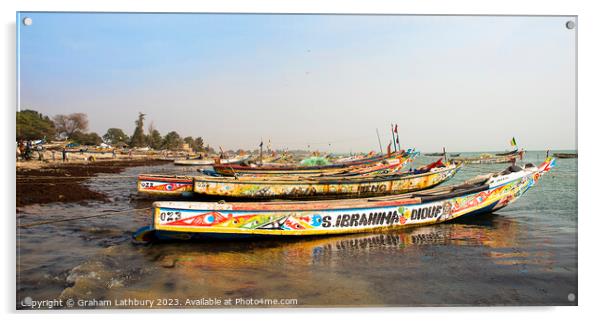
(486, 158)
(436, 154)
(207, 162)
(566, 155)
(454, 155)
(507, 153)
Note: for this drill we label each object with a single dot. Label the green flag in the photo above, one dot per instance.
(513, 141)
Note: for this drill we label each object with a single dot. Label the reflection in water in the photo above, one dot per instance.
(404, 267)
(525, 254)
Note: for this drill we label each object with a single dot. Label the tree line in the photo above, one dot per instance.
(32, 125)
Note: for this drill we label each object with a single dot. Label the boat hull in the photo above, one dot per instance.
(490, 160)
(162, 185)
(309, 189)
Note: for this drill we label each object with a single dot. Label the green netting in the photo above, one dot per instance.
(313, 161)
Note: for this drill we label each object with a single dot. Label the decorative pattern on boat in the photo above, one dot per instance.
(307, 189)
(164, 186)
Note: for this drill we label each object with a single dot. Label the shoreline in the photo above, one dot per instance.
(40, 182)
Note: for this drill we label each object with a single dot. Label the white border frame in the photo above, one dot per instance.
(589, 54)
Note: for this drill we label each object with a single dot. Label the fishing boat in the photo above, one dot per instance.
(515, 151)
(482, 194)
(566, 155)
(178, 185)
(287, 169)
(454, 155)
(296, 187)
(487, 158)
(165, 185)
(209, 162)
(357, 157)
(435, 154)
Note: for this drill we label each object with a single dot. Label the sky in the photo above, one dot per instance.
(467, 83)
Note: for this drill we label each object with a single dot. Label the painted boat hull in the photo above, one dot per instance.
(232, 170)
(189, 220)
(162, 185)
(312, 188)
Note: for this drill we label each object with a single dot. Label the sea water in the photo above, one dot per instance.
(524, 254)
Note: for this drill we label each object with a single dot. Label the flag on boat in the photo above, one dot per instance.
(513, 141)
(261, 144)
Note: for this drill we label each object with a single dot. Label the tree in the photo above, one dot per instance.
(115, 135)
(198, 144)
(155, 141)
(32, 125)
(190, 141)
(195, 144)
(172, 141)
(138, 138)
(66, 125)
(86, 138)
(209, 150)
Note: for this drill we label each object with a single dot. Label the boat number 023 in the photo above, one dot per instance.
(168, 216)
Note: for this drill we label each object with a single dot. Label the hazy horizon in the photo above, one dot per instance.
(469, 83)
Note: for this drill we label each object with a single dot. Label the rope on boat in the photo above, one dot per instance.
(112, 213)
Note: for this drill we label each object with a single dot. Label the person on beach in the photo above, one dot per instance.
(40, 150)
(27, 155)
(114, 154)
(64, 154)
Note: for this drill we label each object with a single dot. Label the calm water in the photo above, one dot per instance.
(525, 254)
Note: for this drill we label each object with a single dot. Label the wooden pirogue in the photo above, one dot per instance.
(294, 187)
(482, 194)
(208, 162)
(179, 185)
(507, 157)
(288, 169)
(566, 155)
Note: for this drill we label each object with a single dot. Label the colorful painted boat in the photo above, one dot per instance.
(209, 162)
(294, 187)
(483, 194)
(165, 185)
(233, 170)
(178, 185)
(491, 159)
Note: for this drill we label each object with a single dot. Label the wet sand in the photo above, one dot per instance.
(61, 182)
